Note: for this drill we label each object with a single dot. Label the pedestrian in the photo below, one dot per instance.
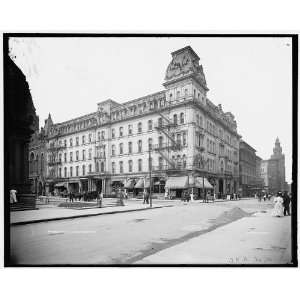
(278, 207)
(259, 196)
(13, 196)
(192, 196)
(166, 194)
(71, 196)
(144, 197)
(121, 198)
(99, 199)
(286, 204)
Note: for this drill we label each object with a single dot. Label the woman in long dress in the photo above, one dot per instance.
(278, 207)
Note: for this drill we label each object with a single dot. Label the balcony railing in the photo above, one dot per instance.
(57, 147)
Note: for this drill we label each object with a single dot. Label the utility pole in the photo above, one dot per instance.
(150, 185)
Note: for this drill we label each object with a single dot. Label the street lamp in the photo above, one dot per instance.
(203, 164)
(150, 185)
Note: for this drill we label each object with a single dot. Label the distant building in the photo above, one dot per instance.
(193, 143)
(273, 170)
(249, 164)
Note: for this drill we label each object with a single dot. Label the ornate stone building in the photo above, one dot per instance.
(20, 121)
(186, 140)
(273, 170)
(38, 158)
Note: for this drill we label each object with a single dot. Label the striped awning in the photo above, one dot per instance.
(129, 184)
(179, 182)
(139, 184)
(199, 183)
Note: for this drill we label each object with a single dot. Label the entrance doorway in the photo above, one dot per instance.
(98, 185)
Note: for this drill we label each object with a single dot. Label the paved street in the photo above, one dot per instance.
(132, 237)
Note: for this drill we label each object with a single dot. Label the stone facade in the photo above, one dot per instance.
(20, 122)
(177, 131)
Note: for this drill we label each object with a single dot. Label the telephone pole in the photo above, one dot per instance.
(150, 185)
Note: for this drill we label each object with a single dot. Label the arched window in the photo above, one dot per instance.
(129, 147)
(175, 119)
(160, 122)
(65, 172)
(222, 167)
(121, 148)
(140, 146)
(59, 172)
(113, 167)
(150, 125)
(130, 166)
(37, 163)
(182, 118)
(113, 150)
(121, 131)
(97, 166)
(71, 171)
(150, 143)
(160, 141)
(102, 167)
(184, 161)
(140, 167)
(83, 170)
(121, 167)
(113, 135)
(140, 127)
(150, 163)
(184, 142)
(160, 163)
(42, 163)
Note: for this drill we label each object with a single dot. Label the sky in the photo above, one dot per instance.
(251, 77)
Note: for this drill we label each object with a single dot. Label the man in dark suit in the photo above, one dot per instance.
(286, 203)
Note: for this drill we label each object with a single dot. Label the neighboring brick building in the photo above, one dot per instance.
(247, 165)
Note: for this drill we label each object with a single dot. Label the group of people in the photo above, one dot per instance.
(282, 205)
(264, 196)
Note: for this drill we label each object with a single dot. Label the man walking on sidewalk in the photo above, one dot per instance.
(286, 204)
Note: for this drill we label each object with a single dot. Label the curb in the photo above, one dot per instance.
(83, 216)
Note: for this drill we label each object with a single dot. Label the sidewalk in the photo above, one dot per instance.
(55, 213)
(258, 239)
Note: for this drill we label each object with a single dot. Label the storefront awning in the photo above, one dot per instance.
(60, 184)
(199, 183)
(117, 183)
(177, 182)
(129, 184)
(139, 184)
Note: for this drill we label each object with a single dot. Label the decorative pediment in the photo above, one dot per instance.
(185, 62)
